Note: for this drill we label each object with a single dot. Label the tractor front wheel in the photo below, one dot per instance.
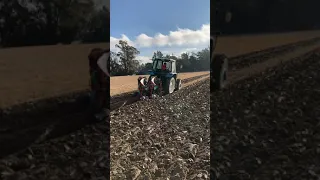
(219, 71)
(170, 85)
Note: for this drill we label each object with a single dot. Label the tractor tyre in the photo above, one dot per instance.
(170, 85)
(178, 85)
(219, 71)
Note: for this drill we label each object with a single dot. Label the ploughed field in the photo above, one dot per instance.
(267, 126)
(264, 122)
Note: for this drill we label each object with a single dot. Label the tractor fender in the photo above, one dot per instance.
(169, 75)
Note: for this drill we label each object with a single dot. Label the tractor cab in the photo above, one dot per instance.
(163, 67)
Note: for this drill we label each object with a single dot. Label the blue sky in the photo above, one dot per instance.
(141, 21)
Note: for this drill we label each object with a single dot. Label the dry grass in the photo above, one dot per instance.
(36, 72)
(237, 45)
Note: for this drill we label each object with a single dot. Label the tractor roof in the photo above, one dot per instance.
(165, 59)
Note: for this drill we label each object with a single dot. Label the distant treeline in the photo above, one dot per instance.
(47, 22)
(262, 16)
(125, 62)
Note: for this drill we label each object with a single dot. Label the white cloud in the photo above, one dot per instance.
(144, 40)
(114, 41)
(178, 51)
(189, 50)
(180, 38)
(161, 39)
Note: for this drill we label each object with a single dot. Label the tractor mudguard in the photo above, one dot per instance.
(152, 73)
(169, 75)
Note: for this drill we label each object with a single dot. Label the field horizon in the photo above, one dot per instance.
(44, 71)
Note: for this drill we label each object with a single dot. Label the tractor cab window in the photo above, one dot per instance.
(157, 65)
(168, 66)
(174, 67)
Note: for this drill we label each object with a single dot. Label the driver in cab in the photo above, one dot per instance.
(164, 67)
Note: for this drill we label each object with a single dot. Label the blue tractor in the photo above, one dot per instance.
(163, 79)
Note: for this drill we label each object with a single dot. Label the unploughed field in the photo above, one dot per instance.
(124, 84)
(237, 45)
(31, 73)
(265, 125)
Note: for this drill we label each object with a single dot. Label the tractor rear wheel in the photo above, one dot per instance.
(170, 85)
(219, 71)
(178, 85)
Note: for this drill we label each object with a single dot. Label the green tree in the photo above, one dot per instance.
(148, 66)
(193, 62)
(185, 62)
(98, 27)
(115, 67)
(39, 22)
(127, 56)
(157, 54)
(203, 58)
